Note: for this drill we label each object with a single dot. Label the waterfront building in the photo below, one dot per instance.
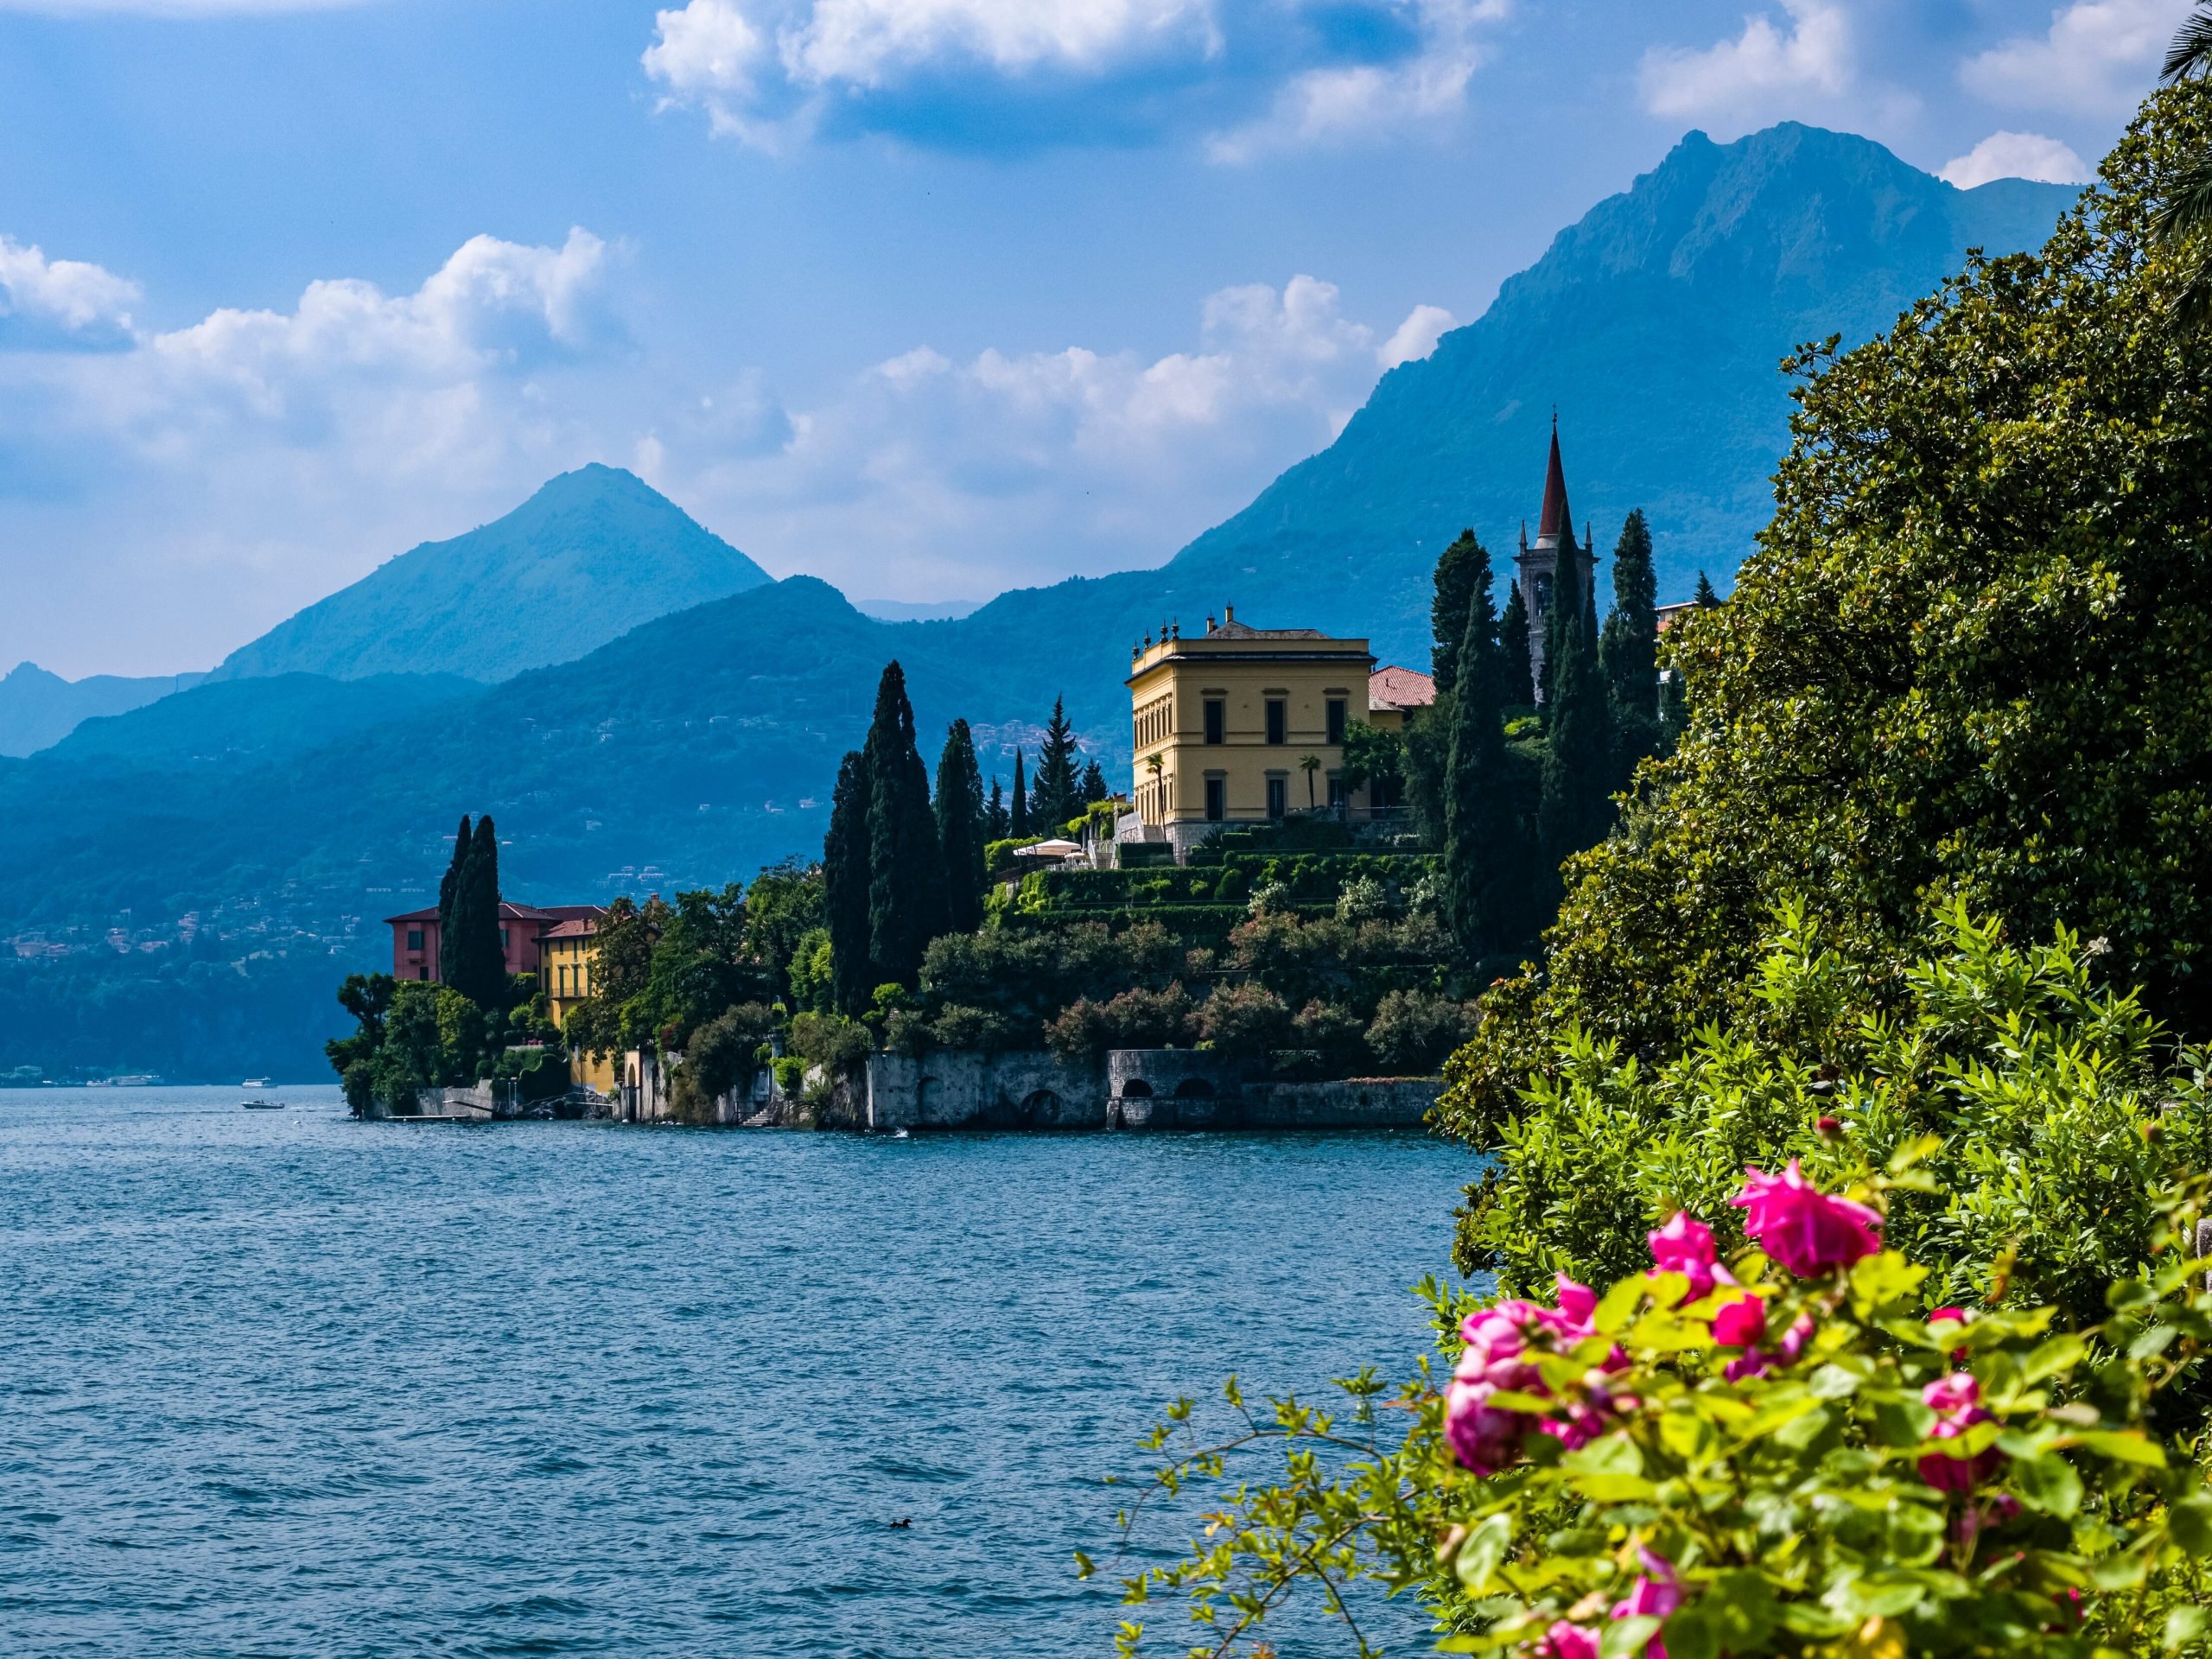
(523, 931)
(1240, 724)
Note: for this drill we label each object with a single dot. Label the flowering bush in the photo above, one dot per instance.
(1786, 1453)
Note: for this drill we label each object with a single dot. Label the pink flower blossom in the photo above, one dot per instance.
(1752, 1361)
(1740, 1325)
(1957, 1401)
(1578, 1305)
(1657, 1594)
(1794, 1338)
(1805, 1229)
(1684, 1245)
(1566, 1641)
(1483, 1437)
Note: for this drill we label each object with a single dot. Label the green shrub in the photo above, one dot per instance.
(1135, 1019)
(1243, 1020)
(1790, 1456)
(1413, 1030)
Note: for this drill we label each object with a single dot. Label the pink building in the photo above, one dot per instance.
(523, 929)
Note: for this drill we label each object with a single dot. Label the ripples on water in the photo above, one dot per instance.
(279, 1384)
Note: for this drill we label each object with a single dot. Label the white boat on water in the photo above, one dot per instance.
(265, 1105)
(255, 1083)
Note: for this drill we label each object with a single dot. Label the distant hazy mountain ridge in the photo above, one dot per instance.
(38, 709)
(588, 558)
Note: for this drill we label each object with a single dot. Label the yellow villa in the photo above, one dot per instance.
(1242, 724)
(564, 961)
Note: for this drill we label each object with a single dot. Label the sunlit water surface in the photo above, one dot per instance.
(279, 1383)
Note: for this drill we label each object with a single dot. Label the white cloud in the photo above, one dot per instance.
(66, 293)
(863, 42)
(1812, 52)
(2017, 155)
(768, 71)
(2098, 57)
(1416, 336)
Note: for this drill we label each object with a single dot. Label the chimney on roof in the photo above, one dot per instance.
(1228, 614)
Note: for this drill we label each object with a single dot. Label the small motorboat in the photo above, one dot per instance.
(255, 1083)
(265, 1105)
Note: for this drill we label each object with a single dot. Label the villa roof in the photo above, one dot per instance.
(1400, 688)
(510, 913)
(1233, 629)
(576, 927)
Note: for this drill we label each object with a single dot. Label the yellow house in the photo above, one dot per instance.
(564, 961)
(1241, 725)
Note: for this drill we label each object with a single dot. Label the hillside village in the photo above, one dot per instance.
(1280, 920)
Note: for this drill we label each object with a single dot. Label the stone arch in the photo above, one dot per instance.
(1039, 1106)
(1136, 1089)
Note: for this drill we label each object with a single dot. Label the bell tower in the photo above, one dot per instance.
(1537, 565)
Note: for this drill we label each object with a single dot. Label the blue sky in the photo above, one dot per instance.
(928, 297)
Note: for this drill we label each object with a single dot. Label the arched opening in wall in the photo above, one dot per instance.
(1136, 1089)
(1040, 1106)
(1194, 1088)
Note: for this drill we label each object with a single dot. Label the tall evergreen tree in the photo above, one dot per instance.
(1519, 685)
(1579, 760)
(998, 822)
(448, 890)
(1018, 808)
(906, 887)
(1058, 795)
(960, 829)
(1486, 857)
(1627, 650)
(846, 873)
(1094, 784)
(1706, 599)
(480, 964)
(1447, 610)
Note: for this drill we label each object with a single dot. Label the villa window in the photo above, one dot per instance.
(1217, 800)
(1216, 721)
(1336, 791)
(1336, 720)
(414, 938)
(1278, 796)
(423, 971)
(503, 938)
(1278, 721)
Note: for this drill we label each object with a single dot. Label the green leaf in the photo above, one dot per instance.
(2184, 1626)
(1610, 1454)
(1801, 1431)
(1483, 1552)
(2059, 1354)
(1627, 1636)
(2124, 1446)
(2117, 1572)
(2189, 1520)
(1879, 1280)
(2151, 1343)
(1901, 1422)
(2050, 1484)
(1688, 1436)
(1834, 1382)
(1085, 1566)
(1618, 1305)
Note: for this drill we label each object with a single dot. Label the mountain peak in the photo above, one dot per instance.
(592, 554)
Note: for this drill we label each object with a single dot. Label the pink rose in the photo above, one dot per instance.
(1657, 1594)
(1578, 1305)
(1684, 1245)
(1566, 1641)
(1740, 1325)
(1752, 1361)
(1957, 1401)
(1805, 1229)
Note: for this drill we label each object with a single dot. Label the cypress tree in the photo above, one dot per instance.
(906, 885)
(448, 890)
(998, 824)
(1518, 685)
(1486, 863)
(1627, 650)
(1447, 610)
(480, 966)
(1058, 795)
(1578, 761)
(845, 875)
(960, 826)
(1706, 599)
(1017, 813)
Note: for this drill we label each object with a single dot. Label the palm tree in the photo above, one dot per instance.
(1309, 764)
(1156, 764)
(2186, 214)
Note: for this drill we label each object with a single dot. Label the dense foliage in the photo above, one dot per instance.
(1973, 656)
(2057, 1106)
(1792, 1452)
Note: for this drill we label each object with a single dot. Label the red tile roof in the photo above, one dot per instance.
(1400, 688)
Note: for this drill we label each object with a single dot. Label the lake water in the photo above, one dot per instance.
(279, 1384)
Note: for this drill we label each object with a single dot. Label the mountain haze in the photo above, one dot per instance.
(38, 709)
(592, 554)
(676, 750)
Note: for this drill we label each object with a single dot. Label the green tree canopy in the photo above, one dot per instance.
(1971, 658)
(476, 961)
(1456, 574)
(907, 878)
(1627, 650)
(1058, 795)
(1520, 685)
(960, 828)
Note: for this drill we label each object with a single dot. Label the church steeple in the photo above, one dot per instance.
(1556, 521)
